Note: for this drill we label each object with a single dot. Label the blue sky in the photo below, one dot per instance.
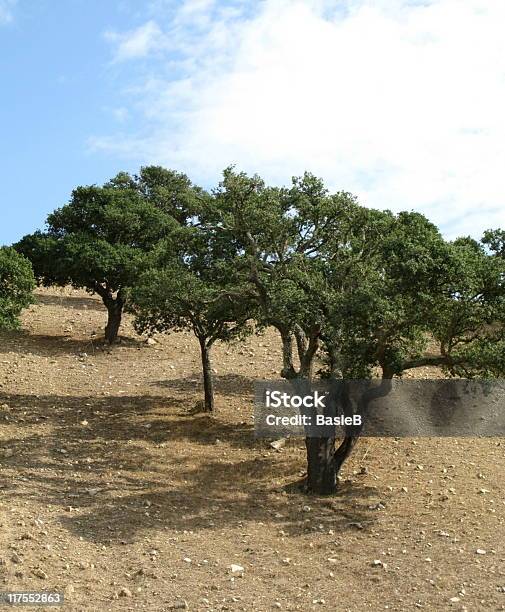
(398, 101)
(57, 89)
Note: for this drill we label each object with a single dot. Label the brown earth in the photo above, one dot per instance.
(114, 492)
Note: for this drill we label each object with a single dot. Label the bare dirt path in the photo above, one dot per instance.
(112, 491)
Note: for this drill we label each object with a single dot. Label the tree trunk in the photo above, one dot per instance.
(307, 358)
(301, 341)
(321, 475)
(288, 371)
(115, 312)
(207, 376)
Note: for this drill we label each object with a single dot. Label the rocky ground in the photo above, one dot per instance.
(114, 492)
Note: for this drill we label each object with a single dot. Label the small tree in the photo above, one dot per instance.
(190, 287)
(100, 241)
(16, 286)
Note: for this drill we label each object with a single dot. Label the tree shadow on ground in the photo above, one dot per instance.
(138, 464)
(216, 495)
(225, 384)
(43, 345)
(70, 301)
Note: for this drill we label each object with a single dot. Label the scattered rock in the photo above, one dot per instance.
(180, 604)
(278, 444)
(377, 506)
(39, 574)
(93, 491)
(15, 558)
(124, 592)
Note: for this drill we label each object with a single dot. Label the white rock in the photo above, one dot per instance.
(278, 444)
(235, 568)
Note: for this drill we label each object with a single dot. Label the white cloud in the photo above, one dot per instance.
(399, 101)
(6, 15)
(136, 43)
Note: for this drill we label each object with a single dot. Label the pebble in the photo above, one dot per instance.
(278, 444)
(39, 574)
(15, 558)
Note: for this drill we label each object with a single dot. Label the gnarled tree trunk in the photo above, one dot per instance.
(114, 307)
(115, 313)
(321, 474)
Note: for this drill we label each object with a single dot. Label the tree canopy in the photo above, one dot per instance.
(100, 239)
(16, 286)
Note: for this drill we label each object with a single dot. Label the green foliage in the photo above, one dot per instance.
(16, 286)
(101, 239)
(469, 317)
(495, 240)
(188, 287)
(280, 237)
(415, 300)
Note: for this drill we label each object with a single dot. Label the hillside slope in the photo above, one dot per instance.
(114, 492)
